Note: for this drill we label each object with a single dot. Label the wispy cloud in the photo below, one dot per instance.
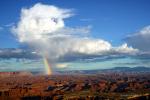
(1, 28)
(10, 24)
(6, 27)
(86, 19)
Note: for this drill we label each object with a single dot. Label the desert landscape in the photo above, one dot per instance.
(100, 86)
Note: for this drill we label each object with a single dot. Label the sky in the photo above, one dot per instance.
(103, 33)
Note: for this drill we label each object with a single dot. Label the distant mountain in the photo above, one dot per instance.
(139, 69)
(21, 73)
(115, 69)
(129, 69)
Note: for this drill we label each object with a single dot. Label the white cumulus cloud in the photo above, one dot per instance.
(43, 27)
(125, 49)
(91, 46)
(140, 39)
(40, 20)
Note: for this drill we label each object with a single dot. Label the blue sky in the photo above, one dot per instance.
(110, 20)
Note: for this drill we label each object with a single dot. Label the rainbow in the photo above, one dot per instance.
(48, 69)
